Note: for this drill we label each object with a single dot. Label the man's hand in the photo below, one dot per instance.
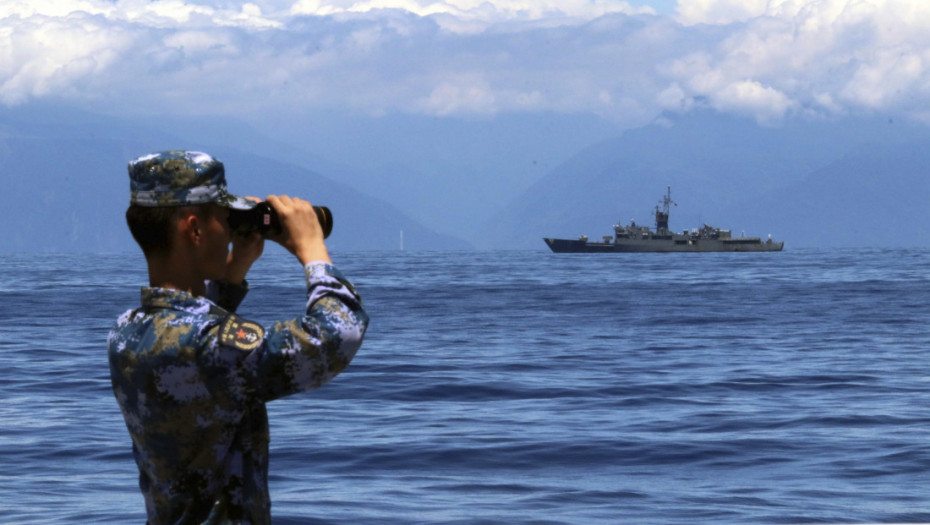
(301, 233)
(245, 251)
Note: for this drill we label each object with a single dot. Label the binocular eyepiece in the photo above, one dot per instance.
(264, 219)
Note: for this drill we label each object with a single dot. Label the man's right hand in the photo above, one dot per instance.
(301, 233)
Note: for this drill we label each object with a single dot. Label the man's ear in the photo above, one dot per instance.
(189, 226)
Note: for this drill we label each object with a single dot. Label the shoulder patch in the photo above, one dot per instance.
(239, 333)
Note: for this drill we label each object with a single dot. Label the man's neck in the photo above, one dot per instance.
(174, 274)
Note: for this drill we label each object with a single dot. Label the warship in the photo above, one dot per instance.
(633, 238)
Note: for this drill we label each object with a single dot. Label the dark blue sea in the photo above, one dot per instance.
(522, 388)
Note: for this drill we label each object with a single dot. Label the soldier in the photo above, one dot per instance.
(191, 377)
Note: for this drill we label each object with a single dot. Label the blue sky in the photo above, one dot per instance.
(624, 61)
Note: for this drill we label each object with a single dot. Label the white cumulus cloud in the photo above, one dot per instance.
(484, 10)
(769, 59)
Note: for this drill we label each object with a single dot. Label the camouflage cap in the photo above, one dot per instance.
(181, 178)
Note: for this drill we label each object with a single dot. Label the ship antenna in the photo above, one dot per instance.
(667, 200)
(662, 216)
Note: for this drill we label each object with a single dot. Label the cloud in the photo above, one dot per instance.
(50, 56)
(481, 10)
(720, 11)
(827, 56)
(769, 59)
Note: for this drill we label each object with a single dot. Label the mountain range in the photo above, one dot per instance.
(498, 183)
(842, 183)
(67, 187)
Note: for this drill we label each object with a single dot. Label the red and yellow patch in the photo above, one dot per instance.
(241, 334)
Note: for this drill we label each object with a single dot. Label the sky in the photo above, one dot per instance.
(623, 61)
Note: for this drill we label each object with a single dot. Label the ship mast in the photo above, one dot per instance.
(667, 200)
(662, 215)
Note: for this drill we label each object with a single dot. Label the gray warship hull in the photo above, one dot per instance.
(748, 244)
(642, 239)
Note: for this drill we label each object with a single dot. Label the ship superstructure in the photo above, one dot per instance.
(635, 238)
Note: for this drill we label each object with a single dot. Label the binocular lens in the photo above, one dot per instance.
(264, 219)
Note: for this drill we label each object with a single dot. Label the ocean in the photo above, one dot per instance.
(522, 387)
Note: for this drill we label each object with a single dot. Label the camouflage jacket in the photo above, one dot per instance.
(192, 379)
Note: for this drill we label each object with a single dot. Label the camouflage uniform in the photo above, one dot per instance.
(192, 378)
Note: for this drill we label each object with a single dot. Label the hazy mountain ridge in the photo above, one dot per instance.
(732, 173)
(850, 182)
(876, 195)
(450, 173)
(67, 188)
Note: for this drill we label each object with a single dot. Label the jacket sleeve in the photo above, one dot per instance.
(306, 352)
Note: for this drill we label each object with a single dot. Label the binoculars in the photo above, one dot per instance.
(264, 219)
